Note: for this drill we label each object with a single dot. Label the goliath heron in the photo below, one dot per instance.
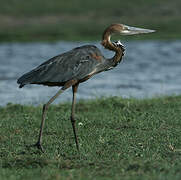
(76, 66)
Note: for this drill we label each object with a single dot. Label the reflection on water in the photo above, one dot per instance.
(149, 68)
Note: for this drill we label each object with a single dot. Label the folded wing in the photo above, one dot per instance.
(75, 64)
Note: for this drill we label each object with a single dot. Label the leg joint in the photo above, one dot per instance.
(45, 107)
(72, 119)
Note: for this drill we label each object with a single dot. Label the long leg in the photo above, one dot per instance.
(74, 89)
(45, 107)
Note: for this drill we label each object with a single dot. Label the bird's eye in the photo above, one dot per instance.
(126, 28)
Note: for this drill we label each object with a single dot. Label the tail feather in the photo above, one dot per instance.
(21, 85)
(27, 78)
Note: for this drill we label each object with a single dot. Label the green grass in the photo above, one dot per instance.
(45, 20)
(119, 139)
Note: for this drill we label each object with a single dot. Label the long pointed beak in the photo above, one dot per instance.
(128, 30)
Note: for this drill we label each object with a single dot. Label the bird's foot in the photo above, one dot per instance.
(39, 146)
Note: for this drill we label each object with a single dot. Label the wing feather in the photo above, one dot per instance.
(75, 64)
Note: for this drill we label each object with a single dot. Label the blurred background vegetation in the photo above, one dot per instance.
(45, 20)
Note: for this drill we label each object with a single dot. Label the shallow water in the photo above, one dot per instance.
(149, 68)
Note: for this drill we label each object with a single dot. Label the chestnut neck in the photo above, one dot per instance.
(106, 42)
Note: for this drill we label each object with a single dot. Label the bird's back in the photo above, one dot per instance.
(74, 64)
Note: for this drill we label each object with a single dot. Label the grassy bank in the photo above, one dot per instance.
(45, 20)
(119, 138)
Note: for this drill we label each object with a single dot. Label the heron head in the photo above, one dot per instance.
(120, 29)
(127, 30)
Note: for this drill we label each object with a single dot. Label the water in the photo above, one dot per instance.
(149, 68)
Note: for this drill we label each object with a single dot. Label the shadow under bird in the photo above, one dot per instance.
(76, 66)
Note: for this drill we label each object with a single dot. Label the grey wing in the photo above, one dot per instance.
(75, 64)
